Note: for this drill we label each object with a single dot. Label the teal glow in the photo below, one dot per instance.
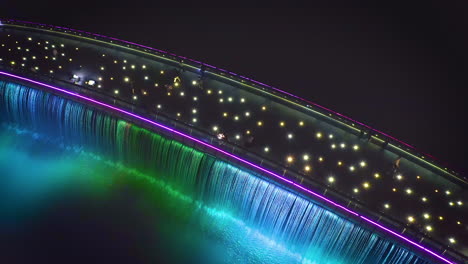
(220, 210)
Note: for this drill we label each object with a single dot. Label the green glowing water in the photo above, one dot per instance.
(77, 183)
(42, 184)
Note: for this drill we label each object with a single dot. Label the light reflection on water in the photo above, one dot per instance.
(61, 204)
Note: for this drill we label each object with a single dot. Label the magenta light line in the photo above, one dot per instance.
(229, 155)
(242, 77)
(404, 238)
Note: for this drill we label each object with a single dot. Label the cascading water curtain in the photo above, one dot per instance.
(281, 215)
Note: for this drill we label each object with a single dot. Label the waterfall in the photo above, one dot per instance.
(283, 216)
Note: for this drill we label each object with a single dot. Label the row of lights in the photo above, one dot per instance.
(290, 159)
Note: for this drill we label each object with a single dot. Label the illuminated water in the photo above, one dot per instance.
(79, 184)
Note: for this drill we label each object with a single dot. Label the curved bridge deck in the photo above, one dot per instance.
(274, 132)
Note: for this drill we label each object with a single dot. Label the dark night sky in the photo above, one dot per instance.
(399, 68)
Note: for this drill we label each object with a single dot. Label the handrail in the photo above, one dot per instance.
(399, 145)
(253, 157)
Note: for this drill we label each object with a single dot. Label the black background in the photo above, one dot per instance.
(398, 67)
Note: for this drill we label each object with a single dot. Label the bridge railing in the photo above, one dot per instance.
(396, 145)
(245, 153)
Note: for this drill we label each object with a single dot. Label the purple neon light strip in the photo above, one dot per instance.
(404, 238)
(229, 155)
(243, 77)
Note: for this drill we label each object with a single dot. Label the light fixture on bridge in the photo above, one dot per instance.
(91, 82)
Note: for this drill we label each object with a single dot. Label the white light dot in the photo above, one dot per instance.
(215, 128)
(318, 135)
(452, 240)
(387, 206)
(305, 157)
(266, 149)
(290, 136)
(411, 219)
(331, 179)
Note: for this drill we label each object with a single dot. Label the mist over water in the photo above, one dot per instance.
(79, 185)
(63, 204)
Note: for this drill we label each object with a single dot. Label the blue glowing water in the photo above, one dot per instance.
(76, 178)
